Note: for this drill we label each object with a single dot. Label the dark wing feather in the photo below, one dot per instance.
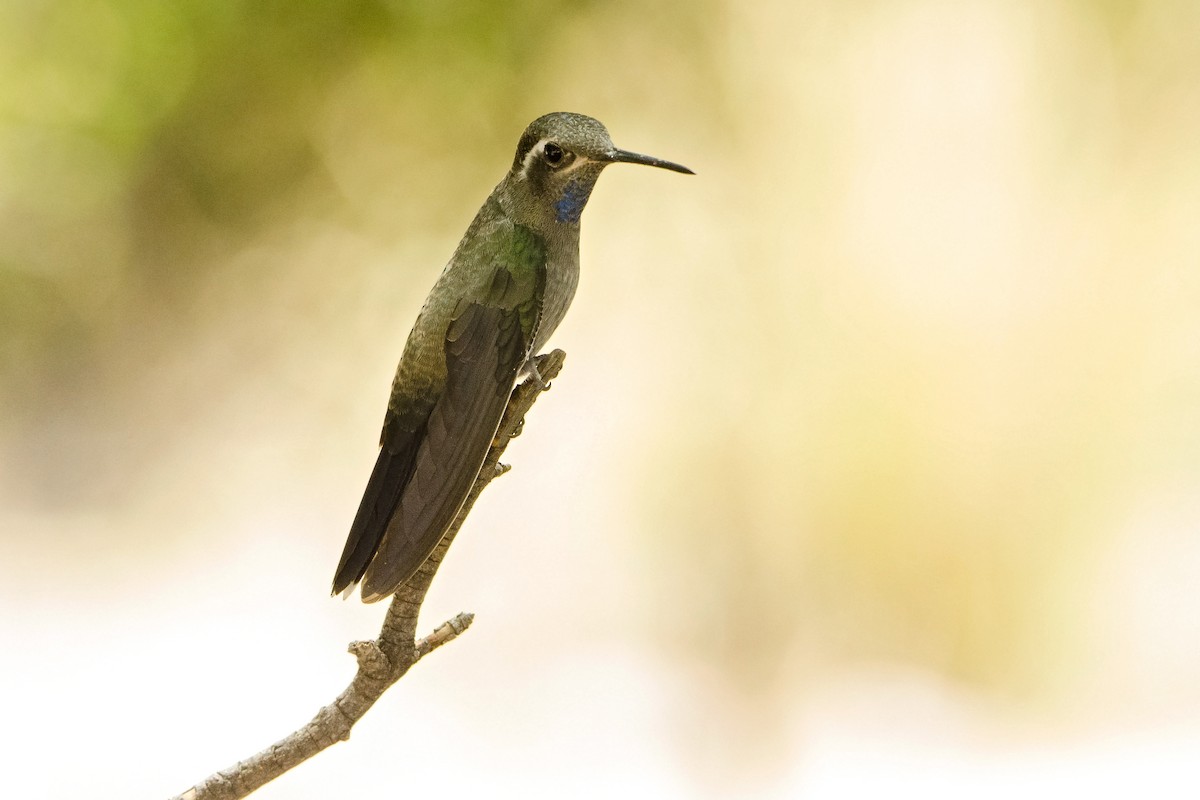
(399, 444)
(485, 347)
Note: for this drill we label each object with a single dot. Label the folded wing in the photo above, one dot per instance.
(485, 348)
(398, 449)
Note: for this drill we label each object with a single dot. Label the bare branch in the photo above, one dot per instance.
(385, 660)
(448, 631)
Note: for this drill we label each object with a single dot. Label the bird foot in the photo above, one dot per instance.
(501, 469)
(532, 374)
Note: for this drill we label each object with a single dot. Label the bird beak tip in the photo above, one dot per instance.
(628, 157)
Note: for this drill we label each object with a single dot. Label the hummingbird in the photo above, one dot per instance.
(504, 291)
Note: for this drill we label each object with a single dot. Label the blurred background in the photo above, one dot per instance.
(873, 468)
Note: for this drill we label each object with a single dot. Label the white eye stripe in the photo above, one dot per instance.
(538, 148)
(574, 165)
(533, 151)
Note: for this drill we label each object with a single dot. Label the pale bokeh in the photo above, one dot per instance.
(873, 470)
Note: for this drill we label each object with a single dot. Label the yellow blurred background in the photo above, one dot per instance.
(873, 470)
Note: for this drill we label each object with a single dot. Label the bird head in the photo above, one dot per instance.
(558, 160)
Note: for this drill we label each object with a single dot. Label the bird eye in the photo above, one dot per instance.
(553, 153)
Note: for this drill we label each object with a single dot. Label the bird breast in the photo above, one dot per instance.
(562, 278)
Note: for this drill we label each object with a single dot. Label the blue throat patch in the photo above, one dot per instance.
(569, 207)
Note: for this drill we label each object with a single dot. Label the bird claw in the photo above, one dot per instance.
(532, 374)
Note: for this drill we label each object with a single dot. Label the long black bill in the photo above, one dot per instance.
(626, 157)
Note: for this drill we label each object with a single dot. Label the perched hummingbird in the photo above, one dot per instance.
(505, 290)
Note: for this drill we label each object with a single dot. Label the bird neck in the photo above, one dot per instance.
(568, 208)
(554, 210)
